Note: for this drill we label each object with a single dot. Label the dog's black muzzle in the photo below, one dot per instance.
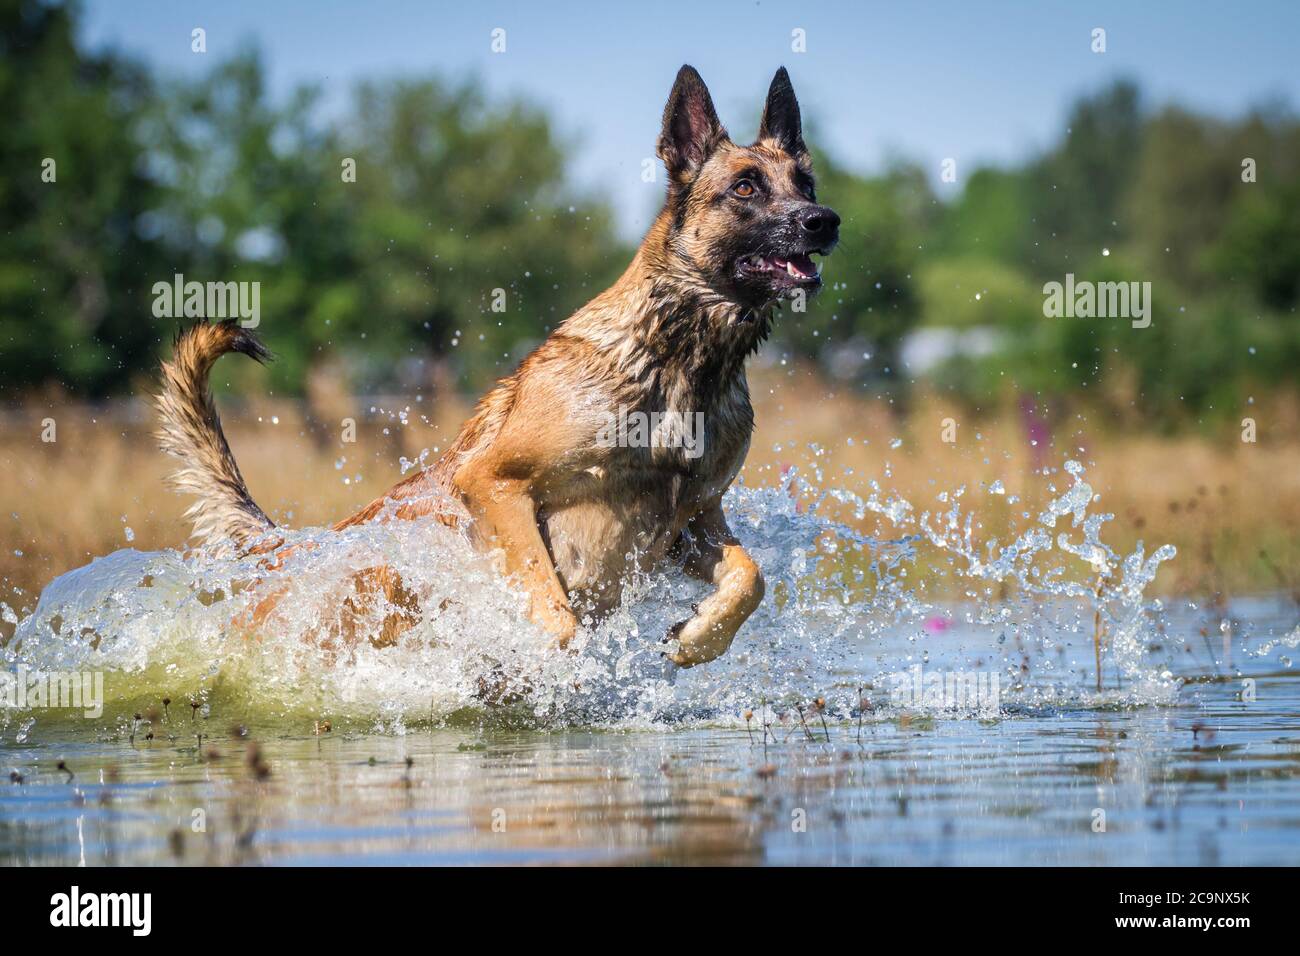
(818, 228)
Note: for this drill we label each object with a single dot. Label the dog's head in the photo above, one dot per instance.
(744, 219)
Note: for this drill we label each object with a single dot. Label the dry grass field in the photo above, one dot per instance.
(1231, 508)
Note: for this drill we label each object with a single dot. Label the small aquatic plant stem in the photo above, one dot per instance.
(803, 723)
(1096, 628)
(860, 709)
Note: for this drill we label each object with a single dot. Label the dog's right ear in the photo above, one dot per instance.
(691, 130)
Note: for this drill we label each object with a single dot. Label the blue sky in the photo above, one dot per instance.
(980, 82)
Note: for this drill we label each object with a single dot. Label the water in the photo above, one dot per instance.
(930, 697)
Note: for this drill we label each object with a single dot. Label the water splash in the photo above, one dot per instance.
(845, 611)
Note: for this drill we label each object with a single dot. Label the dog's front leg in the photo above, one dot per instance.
(505, 518)
(713, 554)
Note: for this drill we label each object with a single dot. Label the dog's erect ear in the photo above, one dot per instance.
(781, 115)
(691, 129)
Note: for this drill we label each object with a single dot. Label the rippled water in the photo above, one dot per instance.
(286, 744)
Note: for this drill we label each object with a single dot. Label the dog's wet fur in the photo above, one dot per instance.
(561, 508)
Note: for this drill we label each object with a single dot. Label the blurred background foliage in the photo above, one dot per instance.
(388, 281)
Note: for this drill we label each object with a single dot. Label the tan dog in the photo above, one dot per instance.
(547, 471)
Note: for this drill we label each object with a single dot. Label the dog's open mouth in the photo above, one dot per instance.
(796, 269)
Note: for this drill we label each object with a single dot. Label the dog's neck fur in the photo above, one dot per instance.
(662, 319)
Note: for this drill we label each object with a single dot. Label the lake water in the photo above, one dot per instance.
(900, 729)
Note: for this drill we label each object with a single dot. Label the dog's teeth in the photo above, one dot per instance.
(789, 267)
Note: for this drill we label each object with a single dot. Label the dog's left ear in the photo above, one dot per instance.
(781, 120)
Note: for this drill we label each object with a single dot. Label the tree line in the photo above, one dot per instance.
(427, 230)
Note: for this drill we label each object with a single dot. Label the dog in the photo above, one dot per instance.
(567, 513)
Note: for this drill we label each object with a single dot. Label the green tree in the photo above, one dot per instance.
(869, 301)
(72, 258)
(254, 194)
(469, 239)
(1259, 247)
(1076, 192)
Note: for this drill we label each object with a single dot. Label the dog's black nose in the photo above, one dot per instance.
(820, 223)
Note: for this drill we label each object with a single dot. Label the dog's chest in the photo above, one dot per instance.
(652, 465)
(666, 465)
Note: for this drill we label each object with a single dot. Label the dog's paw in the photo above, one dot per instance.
(496, 688)
(558, 622)
(699, 641)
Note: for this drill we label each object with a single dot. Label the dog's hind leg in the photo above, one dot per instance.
(373, 590)
(401, 607)
(713, 554)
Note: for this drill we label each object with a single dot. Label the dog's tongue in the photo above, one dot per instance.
(804, 264)
(801, 263)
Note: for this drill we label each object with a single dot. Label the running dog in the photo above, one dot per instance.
(568, 512)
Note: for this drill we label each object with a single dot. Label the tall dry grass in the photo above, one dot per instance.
(1231, 508)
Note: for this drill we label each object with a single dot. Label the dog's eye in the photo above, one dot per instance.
(744, 189)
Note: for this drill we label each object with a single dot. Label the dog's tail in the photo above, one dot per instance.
(190, 430)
